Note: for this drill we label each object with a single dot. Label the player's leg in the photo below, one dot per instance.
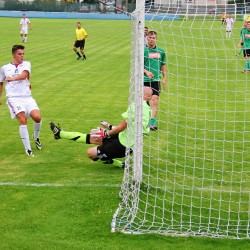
(108, 151)
(76, 45)
(25, 38)
(73, 136)
(82, 49)
(95, 156)
(154, 104)
(92, 154)
(36, 117)
(25, 35)
(229, 33)
(246, 63)
(22, 35)
(226, 33)
(24, 134)
(248, 55)
(17, 110)
(34, 112)
(83, 54)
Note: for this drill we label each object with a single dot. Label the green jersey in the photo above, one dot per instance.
(153, 61)
(245, 40)
(129, 117)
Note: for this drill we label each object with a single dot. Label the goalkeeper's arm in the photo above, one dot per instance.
(102, 133)
(107, 125)
(119, 128)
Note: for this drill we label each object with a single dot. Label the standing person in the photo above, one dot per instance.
(223, 19)
(154, 67)
(112, 143)
(240, 46)
(245, 44)
(19, 100)
(81, 35)
(229, 26)
(24, 25)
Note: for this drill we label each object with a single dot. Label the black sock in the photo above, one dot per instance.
(88, 139)
(78, 54)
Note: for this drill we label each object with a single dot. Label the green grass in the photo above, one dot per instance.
(60, 199)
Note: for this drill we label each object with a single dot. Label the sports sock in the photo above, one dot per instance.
(152, 122)
(114, 162)
(117, 163)
(23, 131)
(246, 65)
(84, 56)
(75, 136)
(78, 54)
(37, 129)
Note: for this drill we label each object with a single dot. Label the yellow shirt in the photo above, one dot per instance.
(224, 15)
(81, 34)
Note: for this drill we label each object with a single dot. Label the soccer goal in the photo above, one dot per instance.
(191, 177)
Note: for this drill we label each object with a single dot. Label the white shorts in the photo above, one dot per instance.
(24, 31)
(21, 104)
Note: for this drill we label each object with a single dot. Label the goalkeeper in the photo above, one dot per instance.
(111, 143)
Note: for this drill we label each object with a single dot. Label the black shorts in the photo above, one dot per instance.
(246, 52)
(79, 44)
(111, 148)
(155, 86)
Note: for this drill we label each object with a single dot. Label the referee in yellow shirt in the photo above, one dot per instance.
(81, 35)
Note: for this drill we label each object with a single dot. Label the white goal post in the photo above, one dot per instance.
(191, 177)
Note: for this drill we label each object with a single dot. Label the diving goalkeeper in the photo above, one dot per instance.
(111, 143)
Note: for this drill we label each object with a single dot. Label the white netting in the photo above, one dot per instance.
(196, 166)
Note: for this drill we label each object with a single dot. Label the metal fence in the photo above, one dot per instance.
(65, 7)
(239, 8)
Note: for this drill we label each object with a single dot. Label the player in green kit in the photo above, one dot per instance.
(155, 72)
(245, 44)
(113, 142)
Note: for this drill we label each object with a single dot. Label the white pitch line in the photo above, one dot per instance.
(27, 184)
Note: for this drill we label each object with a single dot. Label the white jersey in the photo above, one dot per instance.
(25, 22)
(230, 22)
(19, 88)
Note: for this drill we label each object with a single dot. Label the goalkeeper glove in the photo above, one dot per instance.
(107, 125)
(100, 133)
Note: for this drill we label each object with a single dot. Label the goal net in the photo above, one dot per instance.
(192, 175)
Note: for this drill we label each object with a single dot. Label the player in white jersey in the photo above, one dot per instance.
(24, 25)
(230, 23)
(16, 75)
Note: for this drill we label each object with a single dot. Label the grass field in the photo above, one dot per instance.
(60, 199)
